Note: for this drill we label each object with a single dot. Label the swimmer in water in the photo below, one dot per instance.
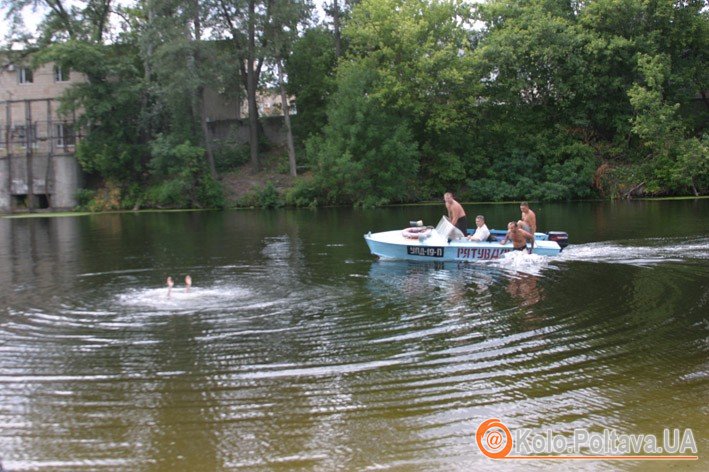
(170, 284)
(188, 283)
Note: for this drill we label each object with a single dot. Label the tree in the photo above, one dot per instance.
(108, 106)
(181, 64)
(88, 21)
(367, 155)
(558, 76)
(282, 31)
(676, 160)
(311, 79)
(338, 10)
(421, 52)
(242, 21)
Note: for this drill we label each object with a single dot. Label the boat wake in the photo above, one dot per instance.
(639, 252)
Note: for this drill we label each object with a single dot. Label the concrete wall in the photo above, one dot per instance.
(237, 131)
(42, 86)
(58, 178)
(67, 180)
(4, 184)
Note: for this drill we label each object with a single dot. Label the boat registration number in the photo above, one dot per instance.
(427, 251)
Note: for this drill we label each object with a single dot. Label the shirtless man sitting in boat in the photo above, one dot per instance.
(456, 214)
(519, 237)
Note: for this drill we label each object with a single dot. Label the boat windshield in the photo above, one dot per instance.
(446, 229)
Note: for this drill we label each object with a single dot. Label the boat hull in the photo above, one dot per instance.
(392, 245)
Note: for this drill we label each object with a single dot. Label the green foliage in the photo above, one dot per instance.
(210, 193)
(264, 197)
(183, 179)
(530, 108)
(268, 197)
(443, 171)
(503, 99)
(172, 193)
(105, 198)
(306, 192)
(83, 197)
(366, 151)
(171, 158)
(108, 107)
(609, 78)
(311, 79)
(228, 157)
(676, 160)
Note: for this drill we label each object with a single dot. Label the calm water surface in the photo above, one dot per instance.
(297, 350)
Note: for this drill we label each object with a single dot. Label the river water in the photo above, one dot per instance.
(296, 349)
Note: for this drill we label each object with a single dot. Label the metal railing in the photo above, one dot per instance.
(39, 138)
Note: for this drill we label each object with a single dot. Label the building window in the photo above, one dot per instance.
(65, 134)
(61, 74)
(21, 137)
(25, 75)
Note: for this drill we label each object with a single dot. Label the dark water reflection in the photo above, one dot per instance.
(296, 350)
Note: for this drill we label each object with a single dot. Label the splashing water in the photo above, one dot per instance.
(522, 261)
(157, 298)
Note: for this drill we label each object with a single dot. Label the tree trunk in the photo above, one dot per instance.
(634, 189)
(336, 27)
(251, 89)
(286, 118)
(146, 131)
(202, 112)
(205, 134)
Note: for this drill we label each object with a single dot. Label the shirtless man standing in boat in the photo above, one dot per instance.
(529, 219)
(456, 213)
(518, 236)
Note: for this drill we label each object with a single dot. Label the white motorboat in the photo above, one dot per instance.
(445, 242)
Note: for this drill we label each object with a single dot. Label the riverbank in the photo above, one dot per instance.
(246, 188)
(252, 189)
(269, 187)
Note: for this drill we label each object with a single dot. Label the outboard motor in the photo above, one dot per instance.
(561, 238)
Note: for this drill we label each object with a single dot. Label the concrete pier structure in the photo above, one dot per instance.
(38, 167)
